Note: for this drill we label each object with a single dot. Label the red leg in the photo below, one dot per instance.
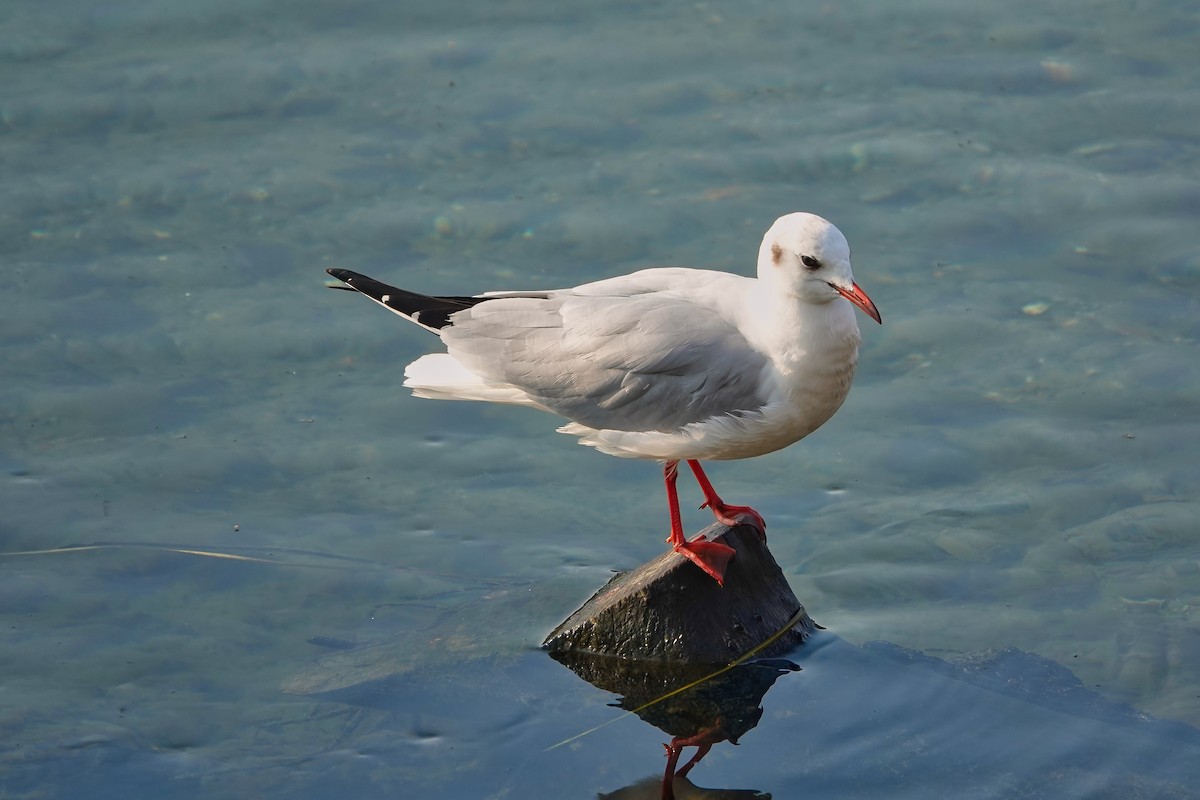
(668, 781)
(712, 557)
(725, 513)
(701, 752)
(702, 741)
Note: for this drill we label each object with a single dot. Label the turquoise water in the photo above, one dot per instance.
(1015, 466)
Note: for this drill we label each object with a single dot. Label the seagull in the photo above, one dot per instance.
(670, 364)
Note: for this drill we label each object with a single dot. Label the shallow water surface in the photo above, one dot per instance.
(237, 558)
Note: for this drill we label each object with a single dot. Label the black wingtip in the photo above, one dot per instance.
(343, 275)
(431, 313)
(378, 291)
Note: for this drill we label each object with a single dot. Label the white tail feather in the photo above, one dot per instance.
(438, 376)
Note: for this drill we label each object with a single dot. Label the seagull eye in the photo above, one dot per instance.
(810, 262)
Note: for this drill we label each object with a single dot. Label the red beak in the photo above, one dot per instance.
(857, 296)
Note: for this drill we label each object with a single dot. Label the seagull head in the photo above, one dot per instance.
(807, 257)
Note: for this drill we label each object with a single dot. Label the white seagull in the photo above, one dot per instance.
(669, 364)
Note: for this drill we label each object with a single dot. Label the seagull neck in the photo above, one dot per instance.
(773, 310)
(787, 328)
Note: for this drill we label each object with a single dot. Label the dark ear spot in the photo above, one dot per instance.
(776, 253)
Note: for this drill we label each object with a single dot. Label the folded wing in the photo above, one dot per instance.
(633, 362)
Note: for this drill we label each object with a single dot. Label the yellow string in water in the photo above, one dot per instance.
(187, 551)
(744, 657)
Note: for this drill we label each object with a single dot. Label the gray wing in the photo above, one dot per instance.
(652, 361)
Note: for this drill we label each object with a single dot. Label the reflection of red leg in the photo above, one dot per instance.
(712, 557)
(668, 787)
(701, 752)
(702, 741)
(725, 514)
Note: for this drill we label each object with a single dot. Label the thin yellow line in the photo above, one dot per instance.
(71, 549)
(235, 557)
(338, 562)
(167, 549)
(770, 640)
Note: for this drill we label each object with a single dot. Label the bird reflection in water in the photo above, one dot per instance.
(722, 708)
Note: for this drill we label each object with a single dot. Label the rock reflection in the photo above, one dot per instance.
(683, 789)
(720, 709)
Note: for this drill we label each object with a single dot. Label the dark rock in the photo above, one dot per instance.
(669, 610)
